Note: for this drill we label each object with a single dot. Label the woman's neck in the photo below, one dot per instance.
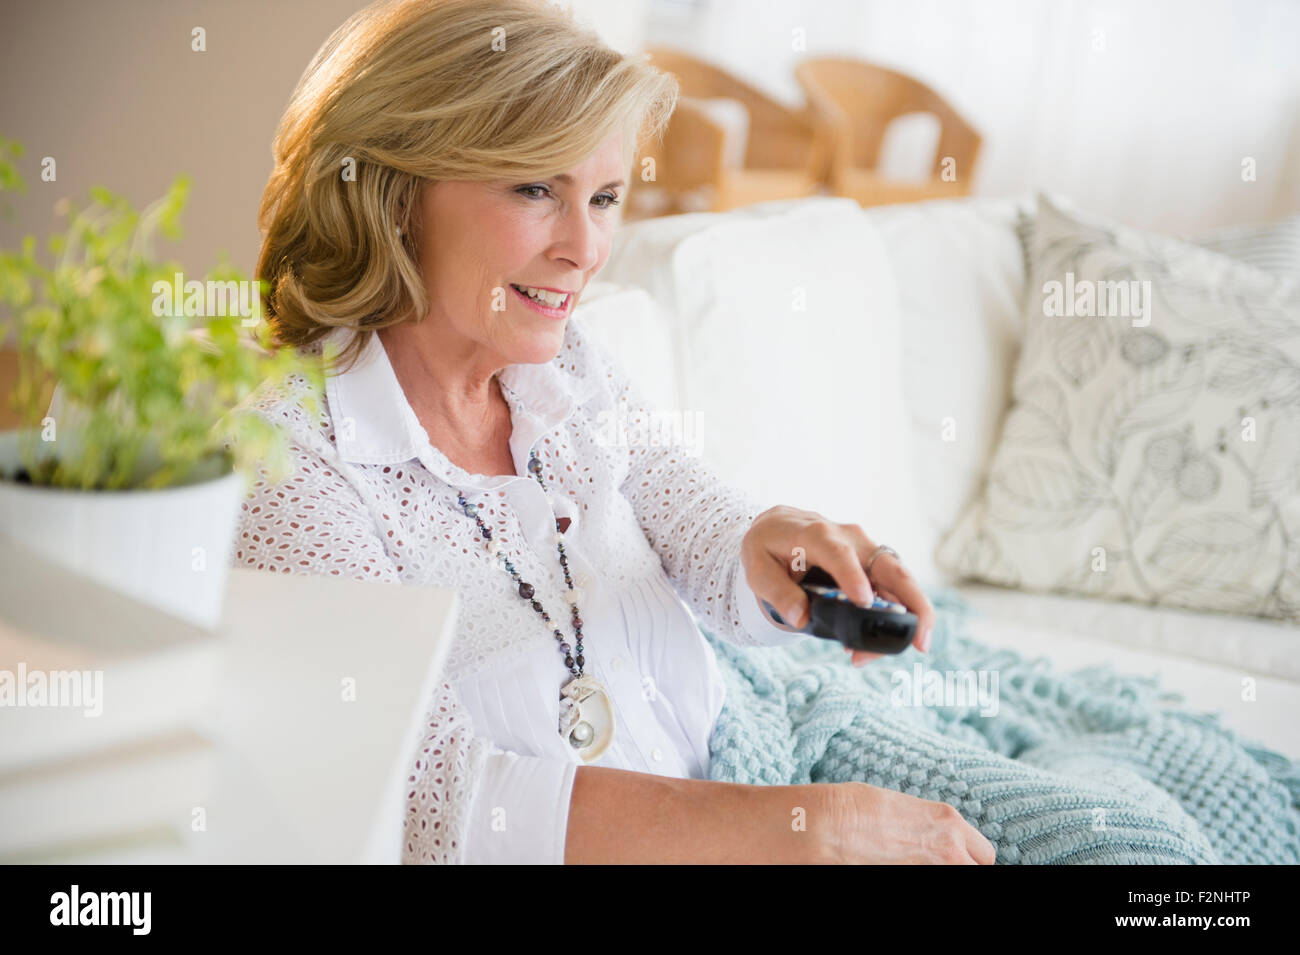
(455, 395)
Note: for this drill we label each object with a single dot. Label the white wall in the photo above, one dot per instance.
(1151, 127)
(620, 23)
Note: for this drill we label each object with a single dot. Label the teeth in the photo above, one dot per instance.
(549, 299)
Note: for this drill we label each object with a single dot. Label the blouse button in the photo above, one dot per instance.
(657, 754)
(616, 663)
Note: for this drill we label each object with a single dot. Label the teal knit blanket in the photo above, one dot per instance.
(1083, 767)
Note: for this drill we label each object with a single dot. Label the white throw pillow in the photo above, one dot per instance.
(1273, 247)
(785, 320)
(1152, 448)
(635, 329)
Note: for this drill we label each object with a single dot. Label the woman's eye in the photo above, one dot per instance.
(612, 200)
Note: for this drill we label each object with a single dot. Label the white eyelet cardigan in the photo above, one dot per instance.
(370, 498)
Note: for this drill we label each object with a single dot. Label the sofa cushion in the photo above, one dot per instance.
(1251, 645)
(785, 322)
(960, 273)
(1240, 668)
(1151, 454)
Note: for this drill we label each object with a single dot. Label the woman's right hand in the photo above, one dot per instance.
(876, 826)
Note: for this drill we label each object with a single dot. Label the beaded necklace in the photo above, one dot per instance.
(586, 718)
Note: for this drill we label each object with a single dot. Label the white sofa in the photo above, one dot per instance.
(821, 348)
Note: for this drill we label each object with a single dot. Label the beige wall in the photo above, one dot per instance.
(112, 90)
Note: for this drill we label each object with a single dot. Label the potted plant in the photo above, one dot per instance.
(134, 472)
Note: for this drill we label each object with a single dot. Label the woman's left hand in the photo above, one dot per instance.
(782, 538)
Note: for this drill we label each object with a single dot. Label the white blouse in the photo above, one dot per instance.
(370, 498)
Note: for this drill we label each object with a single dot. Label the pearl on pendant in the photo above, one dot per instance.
(493, 546)
(581, 735)
(572, 597)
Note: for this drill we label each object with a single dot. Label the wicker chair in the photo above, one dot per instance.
(784, 157)
(854, 101)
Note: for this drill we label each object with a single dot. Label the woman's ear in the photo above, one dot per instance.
(407, 213)
(411, 205)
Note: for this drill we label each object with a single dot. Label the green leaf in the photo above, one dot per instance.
(158, 390)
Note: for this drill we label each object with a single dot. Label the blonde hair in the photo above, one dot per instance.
(412, 91)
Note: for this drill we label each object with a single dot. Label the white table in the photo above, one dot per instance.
(300, 744)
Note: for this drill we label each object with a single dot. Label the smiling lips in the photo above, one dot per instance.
(552, 303)
(551, 297)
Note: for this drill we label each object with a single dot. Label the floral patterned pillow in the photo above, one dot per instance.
(1151, 451)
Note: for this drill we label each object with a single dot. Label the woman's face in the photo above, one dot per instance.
(482, 238)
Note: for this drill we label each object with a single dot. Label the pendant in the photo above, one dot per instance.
(586, 717)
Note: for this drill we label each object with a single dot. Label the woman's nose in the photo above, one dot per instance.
(580, 239)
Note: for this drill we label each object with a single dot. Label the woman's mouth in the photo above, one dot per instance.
(551, 312)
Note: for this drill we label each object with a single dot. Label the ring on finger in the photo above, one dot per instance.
(882, 549)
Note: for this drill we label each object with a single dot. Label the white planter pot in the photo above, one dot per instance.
(169, 548)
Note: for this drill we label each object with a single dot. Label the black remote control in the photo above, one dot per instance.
(884, 627)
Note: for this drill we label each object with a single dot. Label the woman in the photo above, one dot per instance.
(444, 189)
